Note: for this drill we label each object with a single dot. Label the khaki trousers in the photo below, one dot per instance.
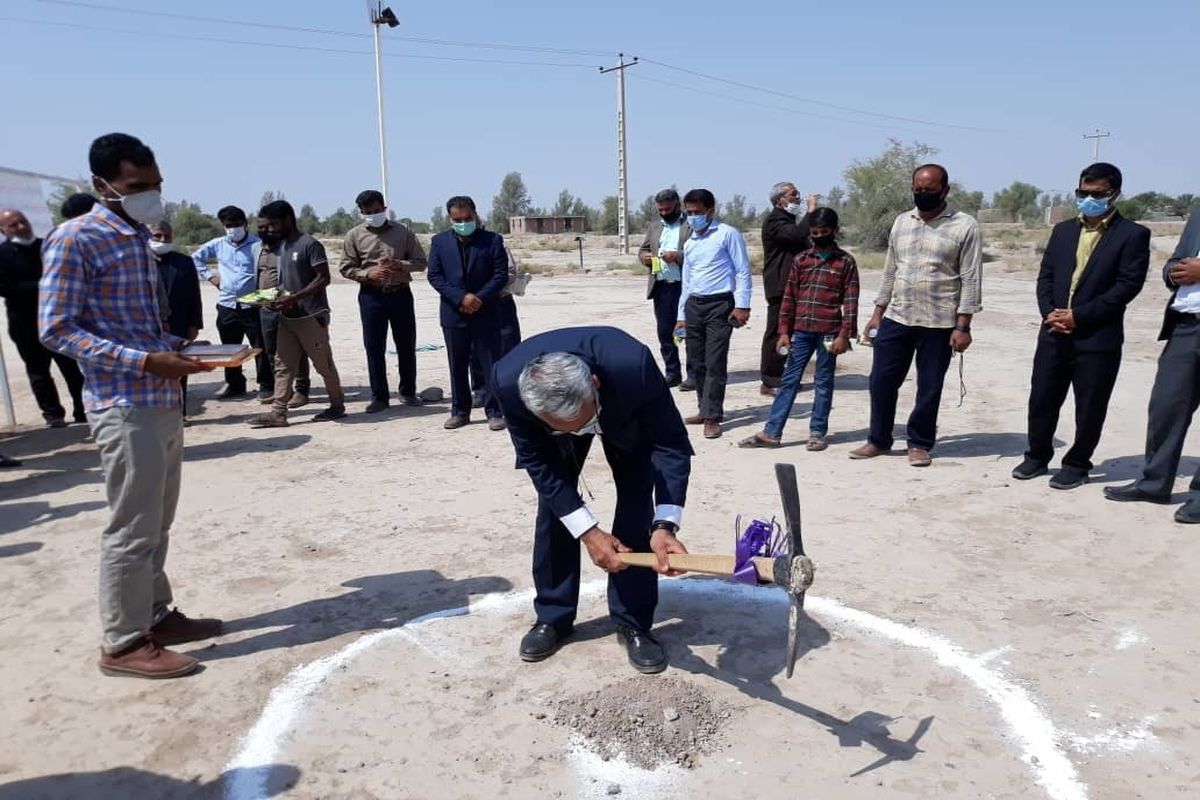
(141, 453)
(295, 339)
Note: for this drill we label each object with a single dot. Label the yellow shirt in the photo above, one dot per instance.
(1089, 237)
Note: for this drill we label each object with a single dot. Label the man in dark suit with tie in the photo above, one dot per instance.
(1176, 392)
(468, 267)
(560, 390)
(1093, 267)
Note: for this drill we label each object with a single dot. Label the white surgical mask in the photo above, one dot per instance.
(592, 427)
(145, 207)
(160, 248)
(795, 209)
(235, 235)
(22, 240)
(375, 220)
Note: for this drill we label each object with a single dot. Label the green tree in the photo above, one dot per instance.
(737, 214)
(338, 223)
(64, 190)
(513, 200)
(835, 198)
(1132, 208)
(1183, 205)
(308, 221)
(438, 221)
(565, 204)
(267, 197)
(645, 215)
(607, 218)
(964, 201)
(191, 225)
(879, 189)
(1019, 200)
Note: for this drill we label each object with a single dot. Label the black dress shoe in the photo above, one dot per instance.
(540, 643)
(1188, 513)
(232, 393)
(645, 654)
(1069, 478)
(5, 461)
(1132, 494)
(375, 406)
(673, 382)
(688, 385)
(1029, 469)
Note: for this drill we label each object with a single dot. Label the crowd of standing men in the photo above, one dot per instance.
(107, 291)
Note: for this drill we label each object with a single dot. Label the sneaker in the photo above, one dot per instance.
(455, 422)
(271, 420)
(1029, 469)
(1069, 478)
(177, 628)
(299, 400)
(146, 658)
(497, 424)
(375, 406)
(331, 413)
(232, 393)
(868, 450)
(816, 443)
(411, 400)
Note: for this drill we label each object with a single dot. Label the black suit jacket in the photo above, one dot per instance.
(1113, 276)
(638, 417)
(182, 285)
(1188, 247)
(484, 274)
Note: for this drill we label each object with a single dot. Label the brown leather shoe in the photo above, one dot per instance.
(177, 628)
(712, 429)
(298, 400)
(767, 391)
(145, 658)
(271, 420)
(868, 450)
(455, 422)
(696, 420)
(918, 457)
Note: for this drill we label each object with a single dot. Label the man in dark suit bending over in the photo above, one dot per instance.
(559, 390)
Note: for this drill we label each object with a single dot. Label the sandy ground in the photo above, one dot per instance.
(307, 539)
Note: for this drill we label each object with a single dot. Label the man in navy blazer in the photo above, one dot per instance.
(1176, 392)
(1093, 267)
(559, 390)
(468, 268)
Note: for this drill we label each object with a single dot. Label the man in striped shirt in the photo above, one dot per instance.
(99, 305)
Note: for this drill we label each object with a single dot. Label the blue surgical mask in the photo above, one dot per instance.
(464, 228)
(698, 222)
(1091, 207)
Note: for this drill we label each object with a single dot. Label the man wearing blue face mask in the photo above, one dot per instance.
(1093, 268)
(468, 267)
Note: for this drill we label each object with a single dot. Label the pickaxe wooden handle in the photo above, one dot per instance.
(703, 565)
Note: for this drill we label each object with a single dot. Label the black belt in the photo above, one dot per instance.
(711, 298)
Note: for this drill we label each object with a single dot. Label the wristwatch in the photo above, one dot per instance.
(664, 525)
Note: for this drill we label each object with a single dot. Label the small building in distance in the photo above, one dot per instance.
(547, 224)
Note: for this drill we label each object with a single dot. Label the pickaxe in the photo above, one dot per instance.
(789, 567)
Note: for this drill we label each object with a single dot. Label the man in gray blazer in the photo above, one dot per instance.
(1176, 392)
(662, 253)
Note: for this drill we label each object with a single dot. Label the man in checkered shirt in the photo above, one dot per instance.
(99, 304)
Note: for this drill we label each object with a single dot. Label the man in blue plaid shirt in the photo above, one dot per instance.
(99, 305)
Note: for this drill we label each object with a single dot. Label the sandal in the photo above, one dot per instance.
(816, 444)
(759, 440)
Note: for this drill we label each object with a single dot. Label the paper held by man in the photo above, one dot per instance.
(263, 297)
(220, 355)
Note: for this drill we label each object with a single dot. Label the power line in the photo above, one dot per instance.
(322, 31)
(282, 46)
(810, 100)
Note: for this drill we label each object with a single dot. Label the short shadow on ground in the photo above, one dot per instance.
(130, 782)
(243, 445)
(1129, 468)
(380, 601)
(18, 516)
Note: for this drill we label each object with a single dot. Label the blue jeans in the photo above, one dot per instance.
(803, 346)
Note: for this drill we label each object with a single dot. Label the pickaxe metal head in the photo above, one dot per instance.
(793, 569)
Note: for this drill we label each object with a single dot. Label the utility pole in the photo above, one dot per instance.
(622, 176)
(1096, 137)
(381, 16)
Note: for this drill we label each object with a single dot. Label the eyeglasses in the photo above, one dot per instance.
(1098, 194)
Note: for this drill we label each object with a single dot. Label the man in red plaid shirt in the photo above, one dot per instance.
(99, 305)
(819, 315)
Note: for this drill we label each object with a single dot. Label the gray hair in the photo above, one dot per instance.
(667, 196)
(556, 385)
(779, 190)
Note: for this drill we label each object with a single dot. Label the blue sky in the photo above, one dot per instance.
(230, 121)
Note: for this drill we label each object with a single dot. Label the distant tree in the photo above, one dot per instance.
(589, 214)
(308, 221)
(1155, 201)
(964, 201)
(191, 225)
(607, 221)
(339, 222)
(645, 215)
(879, 189)
(1132, 209)
(1184, 204)
(438, 221)
(416, 227)
(267, 197)
(64, 190)
(565, 203)
(1020, 200)
(513, 200)
(737, 214)
(835, 198)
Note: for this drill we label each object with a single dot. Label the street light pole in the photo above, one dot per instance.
(622, 177)
(381, 16)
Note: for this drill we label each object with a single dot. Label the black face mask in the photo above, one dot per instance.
(671, 218)
(927, 201)
(823, 242)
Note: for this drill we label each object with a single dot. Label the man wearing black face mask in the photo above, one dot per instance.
(662, 253)
(932, 287)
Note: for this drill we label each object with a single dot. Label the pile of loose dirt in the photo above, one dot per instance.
(650, 722)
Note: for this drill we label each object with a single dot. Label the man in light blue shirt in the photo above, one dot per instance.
(714, 300)
(237, 274)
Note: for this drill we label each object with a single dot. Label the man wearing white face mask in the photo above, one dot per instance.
(237, 275)
(98, 302)
(381, 256)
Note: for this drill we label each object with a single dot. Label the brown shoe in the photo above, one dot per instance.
(496, 424)
(271, 420)
(868, 450)
(455, 422)
(918, 457)
(145, 658)
(712, 429)
(298, 400)
(177, 628)
(696, 420)
(767, 391)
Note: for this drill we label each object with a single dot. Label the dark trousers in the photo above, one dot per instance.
(482, 337)
(895, 346)
(37, 366)
(666, 315)
(1058, 366)
(633, 593)
(270, 337)
(708, 332)
(235, 325)
(772, 364)
(1173, 401)
(379, 311)
(510, 337)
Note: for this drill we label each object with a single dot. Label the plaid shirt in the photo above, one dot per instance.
(821, 295)
(934, 270)
(99, 305)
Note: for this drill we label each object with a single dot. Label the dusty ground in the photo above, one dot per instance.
(307, 539)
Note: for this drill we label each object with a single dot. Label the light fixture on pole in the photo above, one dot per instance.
(379, 16)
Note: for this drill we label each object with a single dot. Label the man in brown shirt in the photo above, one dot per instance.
(381, 255)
